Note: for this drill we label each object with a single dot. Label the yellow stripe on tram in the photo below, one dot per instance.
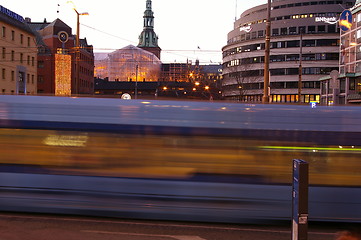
(340, 148)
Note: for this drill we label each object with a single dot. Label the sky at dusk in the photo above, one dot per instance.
(187, 29)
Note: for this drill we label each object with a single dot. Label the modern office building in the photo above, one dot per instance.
(18, 59)
(345, 88)
(305, 46)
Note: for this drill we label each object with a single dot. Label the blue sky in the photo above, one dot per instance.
(182, 25)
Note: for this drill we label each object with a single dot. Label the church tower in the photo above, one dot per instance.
(148, 40)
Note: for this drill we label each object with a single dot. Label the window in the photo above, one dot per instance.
(311, 29)
(293, 30)
(292, 57)
(40, 64)
(32, 61)
(302, 29)
(28, 60)
(331, 28)
(40, 78)
(327, 42)
(28, 41)
(3, 32)
(3, 73)
(12, 35)
(284, 31)
(21, 38)
(21, 57)
(292, 71)
(4, 53)
(261, 33)
(12, 56)
(294, 43)
(12, 76)
(321, 28)
(308, 43)
(32, 79)
(275, 31)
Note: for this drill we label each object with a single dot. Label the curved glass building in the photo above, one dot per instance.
(305, 46)
(129, 64)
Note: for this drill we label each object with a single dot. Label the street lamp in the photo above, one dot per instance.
(77, 43)
(266, 89)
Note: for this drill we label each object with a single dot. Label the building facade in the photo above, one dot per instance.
(58, 64)
(345, 86)
(18, 60)
(304, 47)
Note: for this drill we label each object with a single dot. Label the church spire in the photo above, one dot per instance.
(148, 39)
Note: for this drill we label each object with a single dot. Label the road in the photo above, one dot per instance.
(39, 227)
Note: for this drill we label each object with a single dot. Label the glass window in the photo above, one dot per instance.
(284, 31)
(40, 64)
(311, 29)
(293, 30)
(321, 28)
(327, 42)
(275, 31)
(331, 28)
(3, 32)
(294, 43)
(352, 84)
(308, 43)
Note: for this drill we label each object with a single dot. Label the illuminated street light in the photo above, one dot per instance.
(206, 87)
(197, 83)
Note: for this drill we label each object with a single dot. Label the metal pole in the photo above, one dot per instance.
(266, 90)
(136, 81)
(77, 53)
(300, 71)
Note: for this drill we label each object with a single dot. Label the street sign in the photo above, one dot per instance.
(346, 20)
(300, 200)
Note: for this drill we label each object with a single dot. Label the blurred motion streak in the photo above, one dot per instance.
(176, 160)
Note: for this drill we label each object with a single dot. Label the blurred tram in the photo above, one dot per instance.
(194, 161)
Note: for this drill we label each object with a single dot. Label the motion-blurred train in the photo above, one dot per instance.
(176, 160)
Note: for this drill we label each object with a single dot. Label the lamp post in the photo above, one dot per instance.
(77, 53)
(136, 81)
(266, 87)
(300, 70)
